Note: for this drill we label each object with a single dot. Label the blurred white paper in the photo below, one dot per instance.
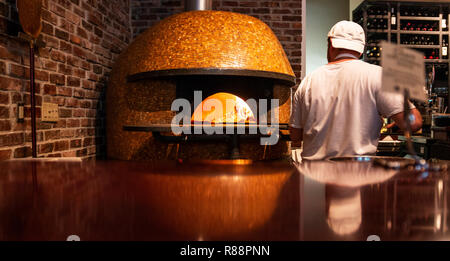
(403, 68)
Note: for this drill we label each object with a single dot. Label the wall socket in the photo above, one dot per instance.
(50, 112)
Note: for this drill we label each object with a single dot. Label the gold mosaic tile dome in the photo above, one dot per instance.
(209, 42)
(141, 88)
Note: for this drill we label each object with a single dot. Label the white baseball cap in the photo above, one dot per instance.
(348, 35)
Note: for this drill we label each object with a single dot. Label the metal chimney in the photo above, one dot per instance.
(194, 5)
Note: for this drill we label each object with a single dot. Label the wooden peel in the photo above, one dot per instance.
(30, 13)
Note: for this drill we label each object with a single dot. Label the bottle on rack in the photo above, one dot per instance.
(393, 19)
(444, 48)
(433, 55)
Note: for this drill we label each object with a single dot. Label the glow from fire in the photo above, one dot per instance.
(223, 107)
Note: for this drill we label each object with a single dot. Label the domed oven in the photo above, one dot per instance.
(201, 53)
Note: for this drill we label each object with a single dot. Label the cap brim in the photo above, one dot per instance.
(346, 44)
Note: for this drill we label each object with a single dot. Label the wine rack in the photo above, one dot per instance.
(418, 25)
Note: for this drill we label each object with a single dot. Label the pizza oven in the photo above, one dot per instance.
(196, 57)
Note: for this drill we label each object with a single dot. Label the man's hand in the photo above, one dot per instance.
(416, 123)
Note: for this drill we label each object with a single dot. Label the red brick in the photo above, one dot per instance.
(10, 84)
(85, 104)
(49, 17)
(49, 89)
(64, 91)
(65, 113)
(81, 153)
(23, 152)
(282, 11)
(72, 102)
(18, 71)
(47, 28)
(280, 25)
(65, 46)
(60, 124)
(16, 97)
(5, 125)
(74, 61)
(73, 123)
(296, 25)
(64, 69)
(4, 112)
(79, 113)
(261, 10)
(88, 142)
(77, 51)
(61, 145)
(78, 93)
(85, 122)
(69, 154)
(296, 18)
(58, 79)
(80, 73)
(82, 33)
(75, 39)
(51, 135)
(75, 143)
(248, 3)
(295, 4)
(45, 148)
(57, 9)
(4, 98)
(50, 65)
(58, 56)
(11, 139)
(73, 81)
(67, 133)
(63, 35)
(41, 75)
(5, 154)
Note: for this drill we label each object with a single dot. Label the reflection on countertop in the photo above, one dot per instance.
(220, 200)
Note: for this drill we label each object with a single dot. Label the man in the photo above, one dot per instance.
(336, 109)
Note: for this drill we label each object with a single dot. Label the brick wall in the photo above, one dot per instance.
(283, 16)
(83, 38)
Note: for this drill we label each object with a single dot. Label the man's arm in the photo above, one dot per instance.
(416, 124)
(296, 136)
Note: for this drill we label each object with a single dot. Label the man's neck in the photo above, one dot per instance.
(346, 56)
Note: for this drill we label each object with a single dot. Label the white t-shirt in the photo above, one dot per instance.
(338, 106)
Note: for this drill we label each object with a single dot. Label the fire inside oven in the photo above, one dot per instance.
(224, 97)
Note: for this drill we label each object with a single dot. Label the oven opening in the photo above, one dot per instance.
(220, 88)
(223, 108)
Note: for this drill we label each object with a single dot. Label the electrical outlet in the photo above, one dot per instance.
(50, 112)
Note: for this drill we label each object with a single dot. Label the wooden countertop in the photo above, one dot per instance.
(214, 200)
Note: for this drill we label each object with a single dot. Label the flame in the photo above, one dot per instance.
(223, 107)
